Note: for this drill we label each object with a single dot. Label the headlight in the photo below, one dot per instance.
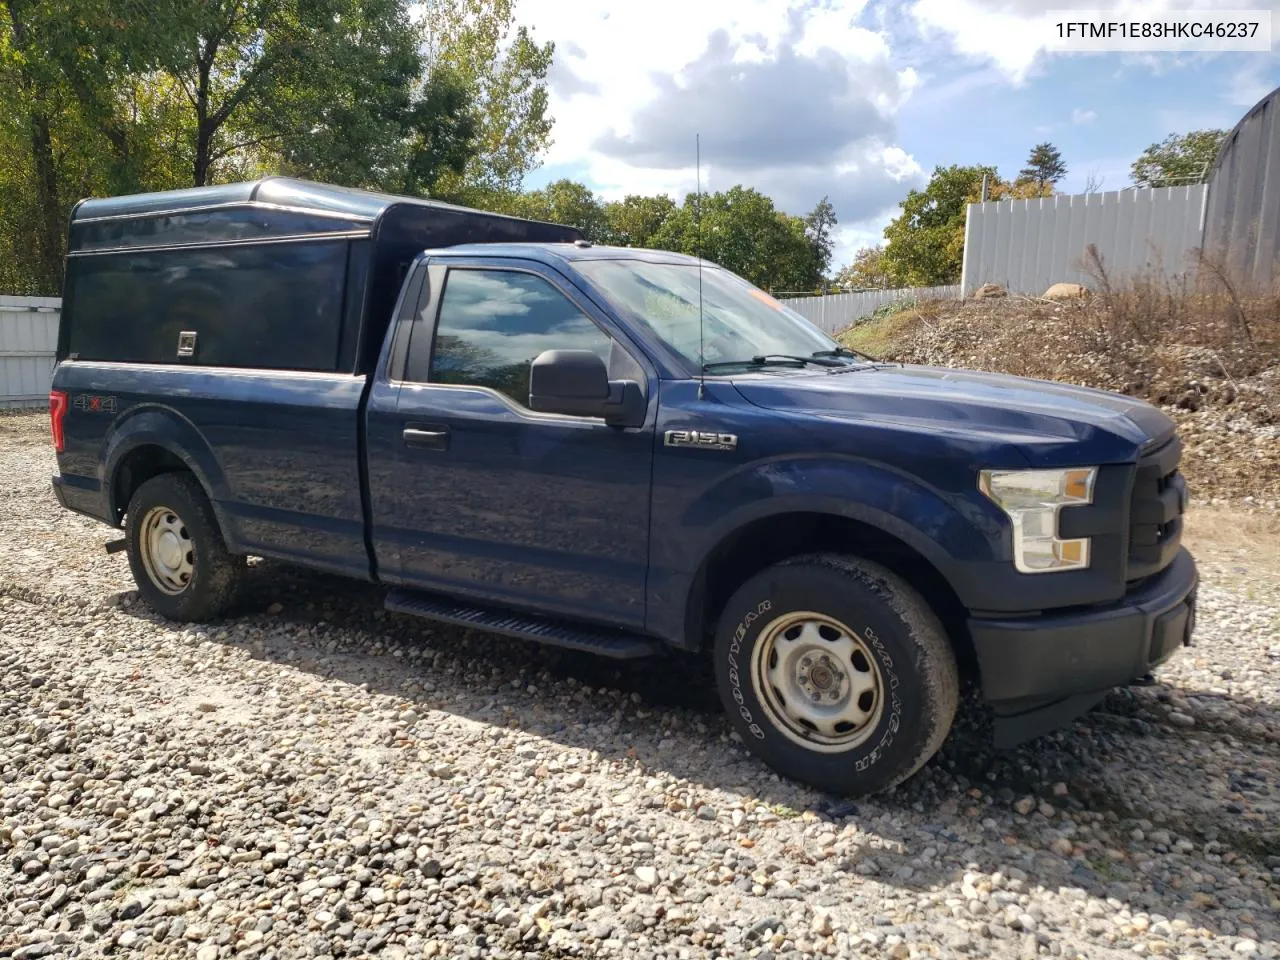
(1032, 500)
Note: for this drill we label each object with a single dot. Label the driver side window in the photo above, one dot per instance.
(493, 324)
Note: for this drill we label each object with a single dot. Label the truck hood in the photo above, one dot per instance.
(1042, 418)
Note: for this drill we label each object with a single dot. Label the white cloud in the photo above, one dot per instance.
(1251, 82)
(796, 101)
(1081, 116)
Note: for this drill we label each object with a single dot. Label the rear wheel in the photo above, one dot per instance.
(176, 551)
(836, 673)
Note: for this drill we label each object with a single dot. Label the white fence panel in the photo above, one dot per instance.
(28, 342)
(1027, 245)
(836, 311)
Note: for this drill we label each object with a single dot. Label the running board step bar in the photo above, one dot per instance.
(556, 633)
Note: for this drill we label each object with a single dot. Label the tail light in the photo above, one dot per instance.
(57, 410)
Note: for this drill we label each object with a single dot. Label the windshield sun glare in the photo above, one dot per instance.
(739, 321)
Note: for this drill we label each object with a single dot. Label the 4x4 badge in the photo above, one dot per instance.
(88, 404)
(703, 439)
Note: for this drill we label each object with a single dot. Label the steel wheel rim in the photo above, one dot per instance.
(818, 681)
(167, 551)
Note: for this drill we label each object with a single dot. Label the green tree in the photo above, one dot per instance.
(1178, 160)
(119, 96)
(742, 231)
(926, 240)
(508, 77)
(359, 105)
(635, 220)
(868, 271)
(53, 147)
(819, 225)
(567, 202)
(241, 80)
(1044, 166)
(329, 87)
(34, 101)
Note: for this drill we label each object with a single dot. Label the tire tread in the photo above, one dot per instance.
(937, 659)
(919, 637)
(216, 585)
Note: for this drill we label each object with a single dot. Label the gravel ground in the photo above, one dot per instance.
(316, 778)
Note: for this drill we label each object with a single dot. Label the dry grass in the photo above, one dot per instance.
(883, 334)
(1174, 343)
(1226, 533)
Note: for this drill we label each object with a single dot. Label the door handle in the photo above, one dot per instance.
(427, 437)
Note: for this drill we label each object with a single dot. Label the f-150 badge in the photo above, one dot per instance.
(702, 439)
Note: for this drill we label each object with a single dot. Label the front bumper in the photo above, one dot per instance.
(1039, 672)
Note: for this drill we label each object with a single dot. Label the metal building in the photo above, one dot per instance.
(1242, 220)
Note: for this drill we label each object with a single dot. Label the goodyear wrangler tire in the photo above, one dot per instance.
(836, 673)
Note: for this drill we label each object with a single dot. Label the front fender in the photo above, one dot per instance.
(944, 527)
(958, 533)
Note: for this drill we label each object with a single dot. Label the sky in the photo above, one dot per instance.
(859, 100)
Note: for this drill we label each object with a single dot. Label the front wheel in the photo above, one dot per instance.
(176, 551)
(836, 673)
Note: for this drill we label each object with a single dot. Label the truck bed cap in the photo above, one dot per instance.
(287, 192)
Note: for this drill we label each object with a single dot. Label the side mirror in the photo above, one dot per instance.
(576, 383)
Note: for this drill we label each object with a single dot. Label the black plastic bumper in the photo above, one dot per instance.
(1039, 672)
(80, 498)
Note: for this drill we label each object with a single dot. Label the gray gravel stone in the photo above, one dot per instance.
(369, 785)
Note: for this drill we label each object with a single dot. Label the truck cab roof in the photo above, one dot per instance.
(570, 252)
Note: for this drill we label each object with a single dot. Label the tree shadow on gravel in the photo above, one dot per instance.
(1123, 764)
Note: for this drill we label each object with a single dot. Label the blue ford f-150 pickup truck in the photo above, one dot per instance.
(617, 450)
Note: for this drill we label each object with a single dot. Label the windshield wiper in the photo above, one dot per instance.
(845, 352)
(771, 359)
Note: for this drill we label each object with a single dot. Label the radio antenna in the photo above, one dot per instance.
(702, 360)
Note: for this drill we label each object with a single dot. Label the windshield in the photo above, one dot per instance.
(739, 321)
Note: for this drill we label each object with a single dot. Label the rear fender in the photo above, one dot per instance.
(155, 425)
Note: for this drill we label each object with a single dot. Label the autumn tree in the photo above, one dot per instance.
(506, 70)
(868, 271)
(1178, 159)
(1020, 189)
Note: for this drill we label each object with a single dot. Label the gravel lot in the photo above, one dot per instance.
(316, 778)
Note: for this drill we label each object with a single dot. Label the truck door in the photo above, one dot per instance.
(477, 494)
